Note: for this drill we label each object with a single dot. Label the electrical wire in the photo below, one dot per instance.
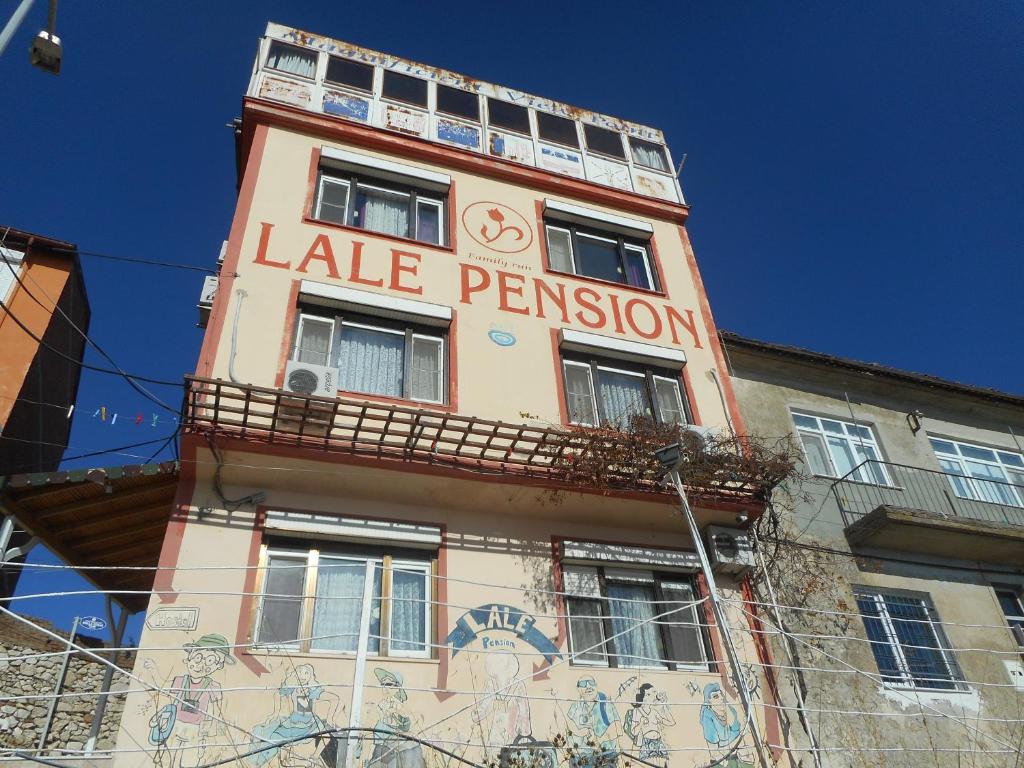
(136, 260)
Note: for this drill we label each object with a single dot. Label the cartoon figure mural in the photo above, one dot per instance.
(182, 728)
(390, 750)
(721, 726)
(595, 727)
(503, 703)
(646, 721)
(301, 708)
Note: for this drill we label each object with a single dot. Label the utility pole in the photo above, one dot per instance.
(13, 23)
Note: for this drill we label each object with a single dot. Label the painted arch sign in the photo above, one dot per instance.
(500, 618)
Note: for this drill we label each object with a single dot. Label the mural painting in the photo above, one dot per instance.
(303, 709)
(390, 750)
(594, 731)
(502, 709)
(721, 726)
(189, 716)
(646, 721)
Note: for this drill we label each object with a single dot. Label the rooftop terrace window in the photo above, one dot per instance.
(648, 154)
(502, 114)
(455, 101)
(401, 87)
(560, 130)
(294, 61)
(354, 74)
(604, 141)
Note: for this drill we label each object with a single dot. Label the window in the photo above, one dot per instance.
(601, 391)
(294, 61)
(376, 356)
(10, 263)
(836, 448)
(354, 74)
(982, 474)
(604, 141)
(312, 599)
(599, 254)
(906, 640)
(401, 87)
(648, 154)
(560, 130)
(612, 619)
(1013, 609)
(455, 101)
(502, 114)
(380, 206)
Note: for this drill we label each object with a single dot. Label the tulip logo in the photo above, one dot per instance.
(497, 227)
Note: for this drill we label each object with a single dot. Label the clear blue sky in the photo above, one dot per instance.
(855, 170)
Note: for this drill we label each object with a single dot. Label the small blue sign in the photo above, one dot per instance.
(502, 338)
(502, 618)
(346, 106)
(93, 623)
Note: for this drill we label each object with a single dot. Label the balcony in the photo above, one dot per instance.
(897, 506)
(397, 434)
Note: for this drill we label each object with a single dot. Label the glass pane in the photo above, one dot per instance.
(1009, 603)
(333, 200)
(604, 141)
(973, 452)
(637, 272)
(582, 409)
(670, 404)
(1011, 459)
(622, 395)
(339, 606)
(598, 258)
(371, 361)
(833, 426)
(314, 343)
(1017, 478)
(961, 487)
(281, 610)
(382, 211)
(997, 492)
(348, 72)
(881, 647)
(408, 610)
(404, 88)
(293, 60)
(925, 659)
(428, 222)
(455, 101)
(559, 249)
(943, 446)
(506, 115)
(586, 630)
(684, 632)
(807, 422)
(560, 130)
(637, 640)
(814, 452)
(872, 472)
(842, 455)
(648, 154)
(427, 367)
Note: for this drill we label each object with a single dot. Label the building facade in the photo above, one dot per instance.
(898, 567)
(429, 283)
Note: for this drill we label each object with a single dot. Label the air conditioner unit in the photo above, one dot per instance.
(309, 379)
(697, 434)
(206, 297)
(730, 549)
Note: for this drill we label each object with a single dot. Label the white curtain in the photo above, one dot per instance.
(669, 401)
(408, 610)
(288, 59)
(582, 409)
(649, 156)
(630, 606)
(559, 249)
(425, 383)
(371, 361)
(315, 341)
(621, 396)
(382, 211)
(339, 605)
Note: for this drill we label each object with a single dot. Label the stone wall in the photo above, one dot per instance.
(23, 674)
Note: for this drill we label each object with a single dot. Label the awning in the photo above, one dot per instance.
(109, 516)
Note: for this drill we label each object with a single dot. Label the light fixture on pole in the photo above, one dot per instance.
(46, 51)
(670, 457)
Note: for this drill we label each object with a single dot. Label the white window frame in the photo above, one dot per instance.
(971, 483)
(15, 260)
(877, 596)
(593, 391)
(425, 568)
(305, 317)
(326, 179)
(1018, 596)
(440, 365)
(647, 376)
(303, 560)
(300, 49)
(622, 245)
(854, 439)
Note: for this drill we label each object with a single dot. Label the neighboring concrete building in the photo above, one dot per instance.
(904, 561)
(429, 282)
(43, 294)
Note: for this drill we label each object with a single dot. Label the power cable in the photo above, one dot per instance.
(136, 260)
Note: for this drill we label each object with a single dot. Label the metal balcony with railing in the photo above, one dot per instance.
(873, 484)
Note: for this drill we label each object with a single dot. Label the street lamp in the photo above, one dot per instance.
(46, 51)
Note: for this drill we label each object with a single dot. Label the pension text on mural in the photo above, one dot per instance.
(503, 618)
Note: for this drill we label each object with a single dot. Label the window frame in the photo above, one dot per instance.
(599, 131)
(630, 140)
(477, 120)
(623, 243)
(491, 125)
(305, 51)
(853, 439)
(971, 483)
(1016, 593)
(415, 194)
(313, 552)
(386, 73)
(358, 88)
(650, 374)
(895, 646)
(407, 329)
(540, 115)
(658, 578)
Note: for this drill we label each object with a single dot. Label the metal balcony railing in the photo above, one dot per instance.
(874, 483)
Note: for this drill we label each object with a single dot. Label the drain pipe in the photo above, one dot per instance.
(241, 294)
